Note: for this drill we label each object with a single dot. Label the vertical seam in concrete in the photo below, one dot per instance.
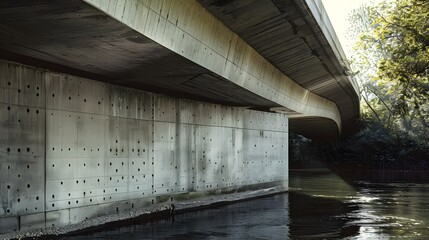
(129, 151)
(194, 156)
(177, 145)
(44, 148)
(152, 152)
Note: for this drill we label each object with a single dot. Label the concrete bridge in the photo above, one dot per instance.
(108, 107)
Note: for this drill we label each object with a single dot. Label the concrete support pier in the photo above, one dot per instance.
(73, 149)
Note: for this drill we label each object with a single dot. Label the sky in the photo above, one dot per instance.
(338, 12)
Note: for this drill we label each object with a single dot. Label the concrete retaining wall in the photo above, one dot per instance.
(73, 148)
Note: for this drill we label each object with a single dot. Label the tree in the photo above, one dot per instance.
(392, 61)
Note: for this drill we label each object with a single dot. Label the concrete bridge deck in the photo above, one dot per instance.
(110, 106)
(267, 55)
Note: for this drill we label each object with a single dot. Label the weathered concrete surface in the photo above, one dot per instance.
(177, 48)
(73, 148)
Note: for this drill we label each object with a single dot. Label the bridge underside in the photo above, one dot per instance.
(129, 104)
(75, 38)
(289, 36)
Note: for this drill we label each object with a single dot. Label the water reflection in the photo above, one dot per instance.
(320, 205)
(381, 204)
(395, 210)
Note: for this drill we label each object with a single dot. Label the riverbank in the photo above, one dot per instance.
(365, 150)
(162, 210)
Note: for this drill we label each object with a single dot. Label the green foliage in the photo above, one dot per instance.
(392, 61)
(376, 147)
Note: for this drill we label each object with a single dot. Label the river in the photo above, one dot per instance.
(321, 204)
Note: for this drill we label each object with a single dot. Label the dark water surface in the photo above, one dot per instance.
(320, 205)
